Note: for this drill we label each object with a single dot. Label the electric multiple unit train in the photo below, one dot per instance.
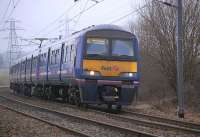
(97, 65)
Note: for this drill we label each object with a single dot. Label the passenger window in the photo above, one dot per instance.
(71, 53)
(66, 55)
(44, 59)
(41, 60)
(57, 56)
(63, 52)
(53, 57)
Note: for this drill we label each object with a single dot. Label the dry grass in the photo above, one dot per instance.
(155, 91)
(154, 86)
(4, 77)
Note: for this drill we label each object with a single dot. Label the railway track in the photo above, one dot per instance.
(153, 121)
(150, 121)
(77, 133)
(78, 125)
(166, 122)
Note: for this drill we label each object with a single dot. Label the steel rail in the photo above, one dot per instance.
(151, 121)
(47, 122)
(104, 124)
(177, 122)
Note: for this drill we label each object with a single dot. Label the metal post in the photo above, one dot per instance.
(180, 60)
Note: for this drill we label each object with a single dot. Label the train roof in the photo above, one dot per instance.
(101, 27)
(74, 35)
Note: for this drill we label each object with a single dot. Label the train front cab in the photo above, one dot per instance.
(109, 68)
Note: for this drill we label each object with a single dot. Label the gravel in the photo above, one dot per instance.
(162, 111)
(13, 124)
(90, 128)
(98, 116)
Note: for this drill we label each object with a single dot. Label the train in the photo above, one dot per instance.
(96, 65)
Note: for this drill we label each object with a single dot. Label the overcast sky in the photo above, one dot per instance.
(35, 17)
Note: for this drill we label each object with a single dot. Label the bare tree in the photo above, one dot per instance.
(157, 34)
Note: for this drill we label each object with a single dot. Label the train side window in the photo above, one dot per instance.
(66, 54)
(42, 59)
(70, 58)
(23, 66)
(34, 61)
(62, 53)
(53, 57)
(45, 58)
(27, 64)
(73, 53)
(57, 57)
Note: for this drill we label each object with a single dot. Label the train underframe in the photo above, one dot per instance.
(81, 94)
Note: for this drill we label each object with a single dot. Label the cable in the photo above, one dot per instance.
(137, 10)
(81, 14)
(13, 9)
(130, 13)
(75, 16)
(56, 19)
(4, 15)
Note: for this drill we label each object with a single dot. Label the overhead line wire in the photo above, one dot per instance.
(71, 19)
(56, 19)
(128, 14)
(137, 10)
(81, 14)
(13, 9)
(4, 15)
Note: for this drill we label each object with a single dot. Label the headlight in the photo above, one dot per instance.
(91, 73)
(128, 74)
